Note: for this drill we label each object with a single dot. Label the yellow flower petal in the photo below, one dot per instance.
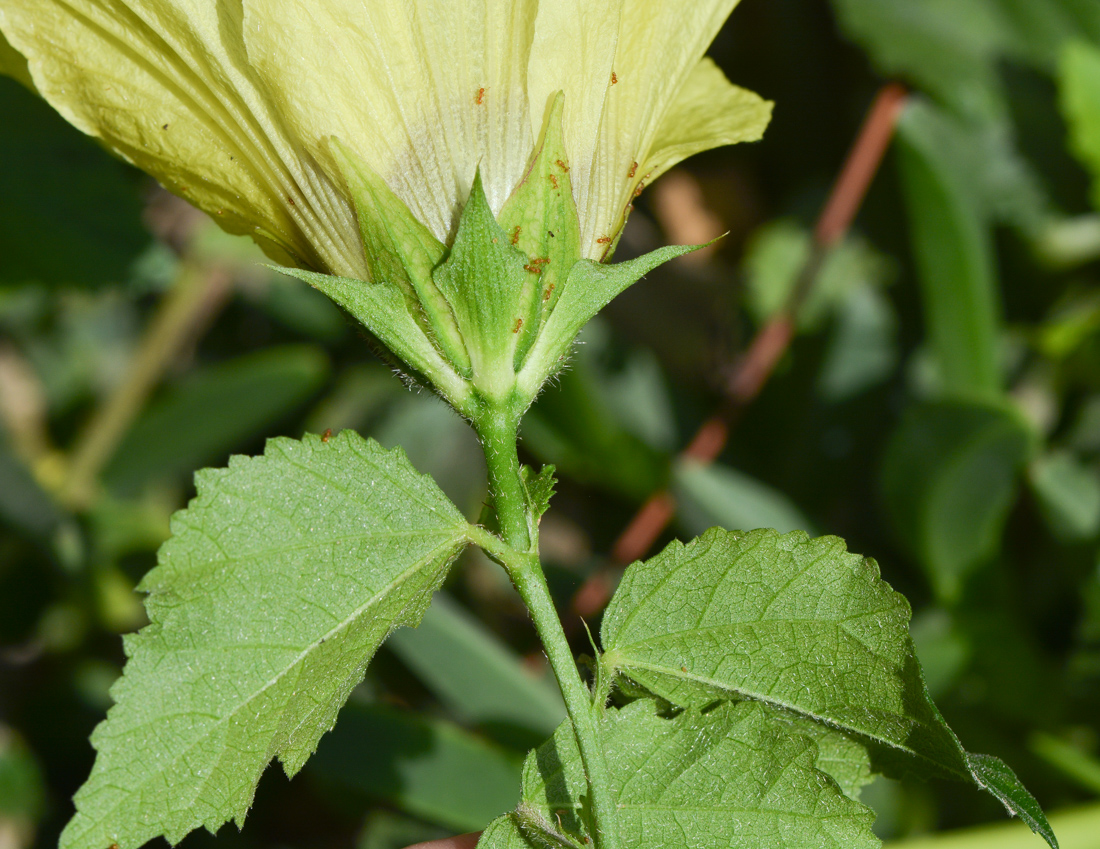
(167, 86)
(708, 112)
(574, 51)
(422, 91)
(14, 64)
(233, 104)
(628, 65)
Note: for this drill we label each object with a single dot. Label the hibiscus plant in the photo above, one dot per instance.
(456, 175)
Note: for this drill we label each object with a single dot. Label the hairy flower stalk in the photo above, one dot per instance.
(302, 124)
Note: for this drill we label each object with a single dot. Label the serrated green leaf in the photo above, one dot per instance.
(283, 576)
(734, 776)
(993, 774)
(797, 623)
(539, 487)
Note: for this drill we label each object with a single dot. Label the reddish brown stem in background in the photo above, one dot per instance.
(769, 345)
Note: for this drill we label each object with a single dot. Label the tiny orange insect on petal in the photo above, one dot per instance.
(603, 240)
(633, 169)
(515, 235)
(563, 166)
(554, 181)
(480, 96)
(614, 78)
(327, 435)
(549, 291)
(519, 324)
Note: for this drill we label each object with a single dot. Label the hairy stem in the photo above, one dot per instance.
(498, 433)
(519, 555)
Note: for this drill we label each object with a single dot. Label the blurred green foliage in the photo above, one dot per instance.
(939, 409)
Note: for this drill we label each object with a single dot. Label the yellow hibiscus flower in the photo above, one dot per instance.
(236, 104)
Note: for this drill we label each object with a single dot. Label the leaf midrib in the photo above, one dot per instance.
(801, 711)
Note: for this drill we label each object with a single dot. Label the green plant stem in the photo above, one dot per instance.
(498, 433)
(518, 554)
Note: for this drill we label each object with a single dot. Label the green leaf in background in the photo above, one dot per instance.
(950, 475)
(971, 41)
(710, 494)
(439, 443)
(474, 674)
(23, 503)
(776, 256)
(1068, 492)
(1077, 828)
(422, 766)
(388, 830)
(606, 420)
(1080, 100)
(954, 256)
(799, 624)
(22, 791)
(863, 347)
(282, 578)
(210, 413)
(79, 223)
(732, 776)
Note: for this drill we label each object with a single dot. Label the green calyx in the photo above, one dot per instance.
(489, 319)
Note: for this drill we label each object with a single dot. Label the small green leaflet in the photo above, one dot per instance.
(804, 626)
(733, 776)
(281, 579)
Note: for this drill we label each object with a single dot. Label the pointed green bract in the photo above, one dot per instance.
(733, 776)
(282, 578)
(800, 624)
(492, 294)
(540, 219)
(589, 287)
(384, 310)
(401, 251)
